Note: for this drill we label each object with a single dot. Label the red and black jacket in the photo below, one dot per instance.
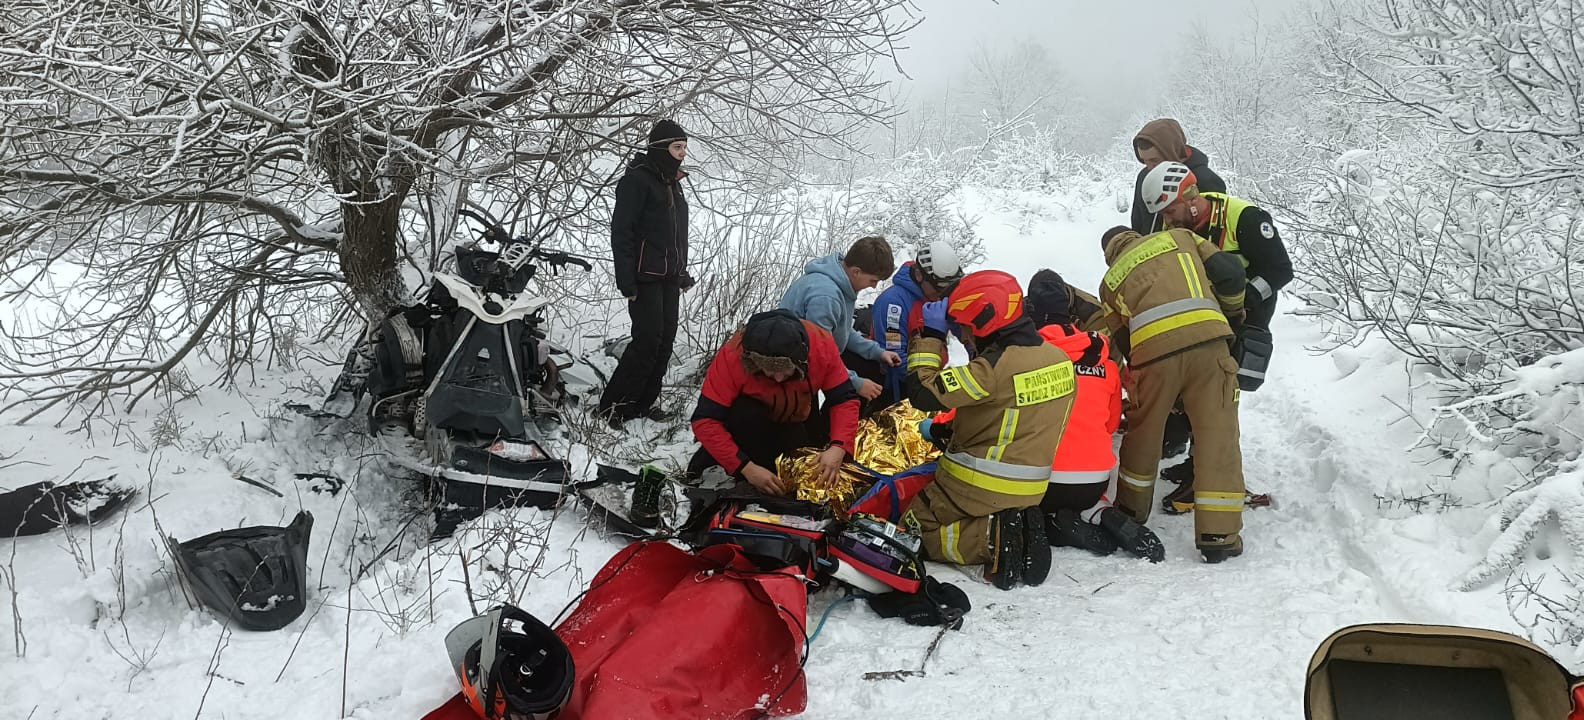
(789, 402)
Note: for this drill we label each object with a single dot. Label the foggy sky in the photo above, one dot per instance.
(1115, 52)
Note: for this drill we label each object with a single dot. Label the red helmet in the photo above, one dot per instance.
(986, 301)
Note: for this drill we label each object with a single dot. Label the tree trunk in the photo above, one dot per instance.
(369, 257)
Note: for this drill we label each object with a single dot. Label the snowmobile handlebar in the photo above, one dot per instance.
(494, 232)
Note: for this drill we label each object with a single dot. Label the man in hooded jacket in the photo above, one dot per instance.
(649, 241)
(827, 294)
(1161, 141)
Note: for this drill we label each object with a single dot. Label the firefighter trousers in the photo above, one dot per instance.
(954, 518)
(1204, 378)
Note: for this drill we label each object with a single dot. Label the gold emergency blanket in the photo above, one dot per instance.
(888, 442)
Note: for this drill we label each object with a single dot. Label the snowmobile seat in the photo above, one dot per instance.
(1419, 672)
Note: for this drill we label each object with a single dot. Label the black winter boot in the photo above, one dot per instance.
(646, 497)
(1215, 548)
(1066, 528)
(1138, 540)
(1005, 569)
(1036, 549)
(1181, 499)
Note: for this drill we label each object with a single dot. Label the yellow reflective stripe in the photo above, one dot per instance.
(923, 359)
(1156, 245)
(1218, 501)
(959, 378)
(948, 541)
(995, 484)
(1195, 288)
(1174, 322)
(1009, 420)
(1136, 481)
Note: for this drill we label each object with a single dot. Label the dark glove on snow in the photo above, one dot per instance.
(935, 604)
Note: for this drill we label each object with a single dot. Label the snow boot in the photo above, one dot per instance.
(1036, 548)
(1181, 499)
(1005, 569)
(1215, 548)
(1066, 528)
(645, 511)
(1132, 536)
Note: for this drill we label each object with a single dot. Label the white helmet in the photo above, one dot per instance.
(1164, 184)
(939, 261)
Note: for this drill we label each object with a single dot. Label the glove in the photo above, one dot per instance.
(935, 315)
(685, 281)
(938, 433)
(924, 428)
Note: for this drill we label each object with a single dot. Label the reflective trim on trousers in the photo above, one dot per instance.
(948, 540)
(1218, 501)
(1137, 482)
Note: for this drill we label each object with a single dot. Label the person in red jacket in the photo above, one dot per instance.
(1076, 503)
(758, 399)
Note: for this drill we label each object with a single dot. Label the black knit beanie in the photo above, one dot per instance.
(664, 133)
(1048, 300)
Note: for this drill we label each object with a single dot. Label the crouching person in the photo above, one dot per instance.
(758, 401)
(1012, 402)
(1077, 505)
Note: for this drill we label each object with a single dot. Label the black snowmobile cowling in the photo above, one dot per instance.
(41, 507)
(256, 577)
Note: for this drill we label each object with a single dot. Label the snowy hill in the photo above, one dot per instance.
(101, 628)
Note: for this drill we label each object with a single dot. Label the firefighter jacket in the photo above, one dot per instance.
(1085, 454)
(1169, 291)
(1248, 232)
(1086, 310)
(1012, 404)
(789, 402)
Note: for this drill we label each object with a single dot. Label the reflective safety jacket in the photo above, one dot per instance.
(1012, 403)
(1248, 233)
(1169, 291)
(1085, 454)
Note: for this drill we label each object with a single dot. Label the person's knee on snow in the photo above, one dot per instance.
(1011, 404)
(758, 396)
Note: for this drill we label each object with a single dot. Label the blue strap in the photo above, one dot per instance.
(851, 595)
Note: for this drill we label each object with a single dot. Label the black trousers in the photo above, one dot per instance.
(635, 386)
(759, 436)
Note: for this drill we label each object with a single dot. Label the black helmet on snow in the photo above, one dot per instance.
(257, 577)
(511, 665)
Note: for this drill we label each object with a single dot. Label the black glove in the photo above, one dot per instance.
(685, 281)
(936, 603)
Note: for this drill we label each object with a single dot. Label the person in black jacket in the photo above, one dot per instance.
(649, 241)
(1161, 141)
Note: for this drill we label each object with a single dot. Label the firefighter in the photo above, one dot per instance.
(1249, 234)
(1175, 302)
(1012, 403)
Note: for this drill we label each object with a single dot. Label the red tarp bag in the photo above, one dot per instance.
(664, 633)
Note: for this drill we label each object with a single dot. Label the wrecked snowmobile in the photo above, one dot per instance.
(459, 384)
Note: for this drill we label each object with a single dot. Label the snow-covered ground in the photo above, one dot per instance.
(108, 634)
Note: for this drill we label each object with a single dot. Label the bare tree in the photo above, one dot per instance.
(229, 178)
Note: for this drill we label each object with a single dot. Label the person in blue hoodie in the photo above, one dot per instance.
(897, 312)
(825, 296)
